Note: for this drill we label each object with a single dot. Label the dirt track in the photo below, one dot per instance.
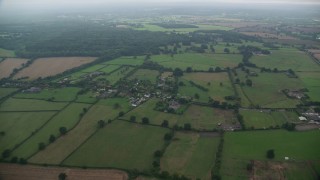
(31, 172)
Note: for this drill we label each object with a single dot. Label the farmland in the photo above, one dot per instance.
(45, 67)
(149, 92)
(188, 155)
(8, 65)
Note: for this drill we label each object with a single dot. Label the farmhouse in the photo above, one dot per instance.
(312, 116)
(174, 105)
(297, 94)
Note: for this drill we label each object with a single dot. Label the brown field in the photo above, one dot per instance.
(314, 51)
(317, 56)
(268, 35)
(7, 66)
(44, 67)
(30, 172)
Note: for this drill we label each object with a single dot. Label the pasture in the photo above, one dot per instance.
(311, 81)
(67, 118)
(241, 147)
(266, 90)
(8, 65)
(121, 145)
(56, 152)
(197, 61)
(6, 91)
(17, 126)
(190, 154)
(44, 67)
(13, 104)
(145, 75)
(61, 94)
(114, 77)
(218, 84)
(265, 119)
(127, 60)
(88, 97)
(7, 53)
(285, 59)
(152, 27)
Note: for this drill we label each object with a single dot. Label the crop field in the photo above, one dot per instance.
(67, 118)
(146, 74)
(266, 90)
(188, 154)
(265, 119)
(241, 147)
(125, 145)
(284, 59)
(126, 60)
(61, 94)
(6, 91)
(218, 84)
(56, 152)
(45, 67)
(7, 53)
(13, 104)
(198, 61)
(8, 65)
(30, 172)
(17, 126)
(311, 81)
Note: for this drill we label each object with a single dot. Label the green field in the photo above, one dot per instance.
(190, 154)
(121, 145)
(109, 68)
(146, 75)
(88, 97)
(56, 152)
(311, 81)
(201, 118)
(93, 68)
(61, 94)
(266, 90)
(190, 91)
(6, 91)
(241, 147)
(13, 104)
(198, 61)
(284, 59)
(68, 118)
(114, 77)
(151, 27)
(17, 126)
(126, 60)
(218, 84)
(265, 119)
(7, 53)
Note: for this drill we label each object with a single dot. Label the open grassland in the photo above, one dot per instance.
(56, 152)
(121, 145)
(6, 91)
(61, 94)
(127, 60)
(7, 53)
(197, 61)
(190, 154)
(241, 147)
(30, 172)
(284, 170)
(8, 65)
(114, 77)
(17, 126)
(284, 59)
(190, 90)
(13, 104)
(93, 68)
(146, 74)
(265, 119)
(152, 27)
(311, 81)
(88, 97)
(200, 117)
(44, 67)
(109, 68)
(218, 84)
(67, 118)
(266, 90)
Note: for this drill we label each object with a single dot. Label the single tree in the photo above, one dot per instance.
(270, 154)
(52, 138)
(41, 146)
(101, 123)
(165, 123)
(63, 130)
(62, 176)
(133, 119)
(145, 120)
(187, 126)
